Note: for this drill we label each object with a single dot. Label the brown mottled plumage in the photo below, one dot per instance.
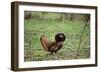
(53, 47)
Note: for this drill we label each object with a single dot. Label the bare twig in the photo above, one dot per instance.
(86, 24)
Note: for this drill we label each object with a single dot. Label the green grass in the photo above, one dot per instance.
(72, 29)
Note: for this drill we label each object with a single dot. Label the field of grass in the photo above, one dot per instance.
(34, 51)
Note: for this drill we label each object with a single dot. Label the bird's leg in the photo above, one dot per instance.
(52, 52)
(55, 51)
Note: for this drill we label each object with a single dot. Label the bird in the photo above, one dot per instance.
(55, 45)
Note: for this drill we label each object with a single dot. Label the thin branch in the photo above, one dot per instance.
(81, 37)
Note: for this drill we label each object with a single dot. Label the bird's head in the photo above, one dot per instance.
(60, 37)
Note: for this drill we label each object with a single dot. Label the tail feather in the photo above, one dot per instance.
(45, 42)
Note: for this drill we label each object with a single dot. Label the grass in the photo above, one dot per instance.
(72, 29)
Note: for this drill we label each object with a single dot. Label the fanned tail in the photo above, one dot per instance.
(45, 42)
